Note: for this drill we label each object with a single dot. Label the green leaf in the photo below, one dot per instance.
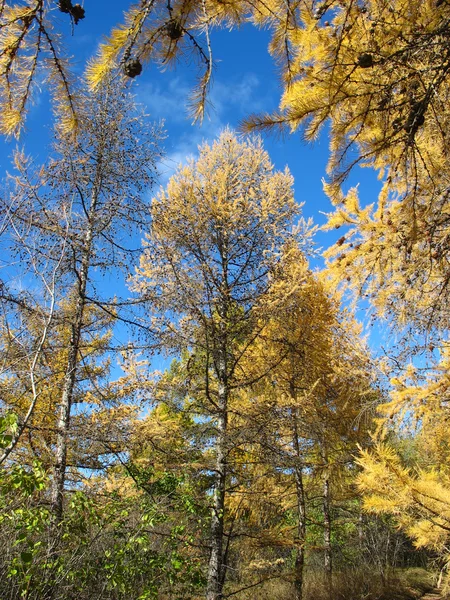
(6, 440)
(26, 557)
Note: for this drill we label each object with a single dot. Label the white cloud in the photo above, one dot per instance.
(165, 103)
(170, 102)
(240, 95)
(227, 101)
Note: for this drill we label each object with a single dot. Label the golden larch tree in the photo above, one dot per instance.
(208, 258)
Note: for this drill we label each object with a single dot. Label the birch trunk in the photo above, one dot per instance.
(63, 424)
(215, 578)
(301, 516)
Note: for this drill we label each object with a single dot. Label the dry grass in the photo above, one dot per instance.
(353, 584)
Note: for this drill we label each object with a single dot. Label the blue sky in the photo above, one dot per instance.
(245, 81)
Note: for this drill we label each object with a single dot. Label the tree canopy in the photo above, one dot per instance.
(240, 468)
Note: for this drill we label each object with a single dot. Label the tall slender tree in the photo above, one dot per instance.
(316, 392)
(75, 217)
(209, 256)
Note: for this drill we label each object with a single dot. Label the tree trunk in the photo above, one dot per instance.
(59, 475)
(301, 515)
(328, 565)
(63, 425)
(361, 543)
(215, 577)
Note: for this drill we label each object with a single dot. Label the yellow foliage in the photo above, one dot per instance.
(312, 406)
(27, 40)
